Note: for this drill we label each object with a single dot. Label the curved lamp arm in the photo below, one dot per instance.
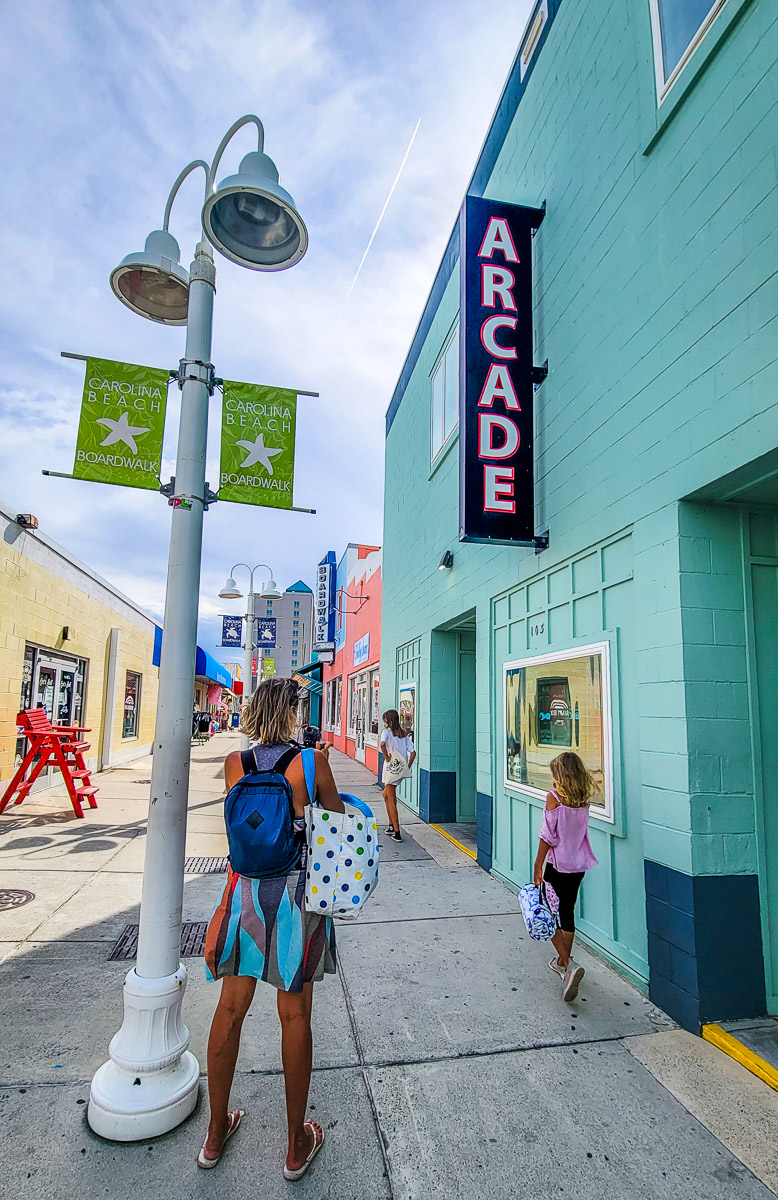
(251, 571)
(198, 162)
(247, 120)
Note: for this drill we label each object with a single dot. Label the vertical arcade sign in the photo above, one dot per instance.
(324, 620)
(497, 376)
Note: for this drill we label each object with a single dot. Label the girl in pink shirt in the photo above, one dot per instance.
(565, 850)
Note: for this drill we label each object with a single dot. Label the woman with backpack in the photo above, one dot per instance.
(396, 744)
(246, 941)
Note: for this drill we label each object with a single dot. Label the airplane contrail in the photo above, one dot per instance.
(383, 210)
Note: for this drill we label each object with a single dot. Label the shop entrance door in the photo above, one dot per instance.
(360, 701)
(466, 798)
(764, 585)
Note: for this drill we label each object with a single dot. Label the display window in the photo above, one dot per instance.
(131, 720)
(557, 702)
(332, 704)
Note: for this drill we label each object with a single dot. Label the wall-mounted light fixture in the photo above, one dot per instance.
(446, 562)
(27, 521)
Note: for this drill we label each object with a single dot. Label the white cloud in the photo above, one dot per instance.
(110, 101)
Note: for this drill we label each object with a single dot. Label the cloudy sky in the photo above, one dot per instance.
(105, 102)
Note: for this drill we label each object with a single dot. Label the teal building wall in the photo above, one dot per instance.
(655, 302)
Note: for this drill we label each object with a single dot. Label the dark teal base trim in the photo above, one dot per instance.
(704, 946)
(437, 796)
(483, 813)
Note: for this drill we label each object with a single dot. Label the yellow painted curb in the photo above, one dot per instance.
(735, 1049)
(454, 842)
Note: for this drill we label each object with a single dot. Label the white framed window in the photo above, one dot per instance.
(444, 395)
(373, 697)
(529, 43)
(554, 703)
(352, 705)
(678, 28)
(332, 704)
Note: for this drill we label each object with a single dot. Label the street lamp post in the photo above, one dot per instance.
(150, 1082)
(231, 591)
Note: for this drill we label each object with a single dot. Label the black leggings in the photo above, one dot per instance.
(566, 885)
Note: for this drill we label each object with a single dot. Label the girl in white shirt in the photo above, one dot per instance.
(394, 740)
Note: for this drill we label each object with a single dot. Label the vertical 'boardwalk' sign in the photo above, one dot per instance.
(496, 469)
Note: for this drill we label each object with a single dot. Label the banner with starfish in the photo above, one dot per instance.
(122, 424)
(257, 451)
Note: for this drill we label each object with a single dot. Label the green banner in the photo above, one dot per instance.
(122, 424)
(257, 456)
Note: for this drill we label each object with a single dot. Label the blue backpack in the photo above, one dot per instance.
(259, 815)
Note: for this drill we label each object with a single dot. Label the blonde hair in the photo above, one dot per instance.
(270, 716)
(572, 781)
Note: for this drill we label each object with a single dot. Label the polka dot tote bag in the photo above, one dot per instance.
(342, 861)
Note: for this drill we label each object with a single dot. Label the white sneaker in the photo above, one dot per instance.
(556, 966)
(573, 977)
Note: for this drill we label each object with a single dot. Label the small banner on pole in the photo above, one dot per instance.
(232, 631)
(257, 452)
(268, 666)
(122, 424)
(266, 632)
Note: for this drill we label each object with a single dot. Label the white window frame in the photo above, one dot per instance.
(132, 737)
(606, 814)
(332, 704)
(532, 32)
(440, 365)
(665, 84)
(371, 739)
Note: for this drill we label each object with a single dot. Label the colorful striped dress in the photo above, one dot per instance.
(261, 928)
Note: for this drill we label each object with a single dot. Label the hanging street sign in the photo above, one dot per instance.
(268, 666)
(232, 631)
(122, 424)
(257, 449)
(266, 633)
(324, 627)
(497, 376)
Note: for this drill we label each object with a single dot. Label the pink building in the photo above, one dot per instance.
(351, 717)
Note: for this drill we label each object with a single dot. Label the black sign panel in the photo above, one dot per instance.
(496, 373)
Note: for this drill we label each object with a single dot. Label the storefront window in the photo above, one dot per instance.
(559, 702)
(352, 704)
(445, 395)
(131, 705)
(679, 26)
(332, 700)
(375, 690)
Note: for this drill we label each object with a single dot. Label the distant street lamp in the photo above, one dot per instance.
(231, 591)
(150, 1082)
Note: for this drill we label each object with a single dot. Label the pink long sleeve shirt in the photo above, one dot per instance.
(565, 830)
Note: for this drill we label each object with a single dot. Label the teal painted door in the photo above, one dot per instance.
(764, 581)
(466, 757)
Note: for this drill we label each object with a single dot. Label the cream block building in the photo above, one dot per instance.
(73, 643)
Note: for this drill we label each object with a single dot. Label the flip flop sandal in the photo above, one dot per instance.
(234, 1120)
(317, 1145)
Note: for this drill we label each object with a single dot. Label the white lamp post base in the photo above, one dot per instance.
(150, 1083)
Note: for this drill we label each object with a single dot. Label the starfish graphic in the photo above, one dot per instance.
(258, 452)
(122, 431)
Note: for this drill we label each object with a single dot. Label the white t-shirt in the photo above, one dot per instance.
(397, 745)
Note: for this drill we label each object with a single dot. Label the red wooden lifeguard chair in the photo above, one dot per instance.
(60, 746)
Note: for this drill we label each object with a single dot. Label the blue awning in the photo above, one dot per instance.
(208, 668)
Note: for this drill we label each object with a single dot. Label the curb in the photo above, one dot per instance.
(735, 1049)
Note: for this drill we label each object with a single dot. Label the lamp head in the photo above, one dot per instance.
(270, 590)
(152, 282)
(446, 562)
(230, 591)
(252, 220)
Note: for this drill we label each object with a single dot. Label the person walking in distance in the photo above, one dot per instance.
(398, 752)
(564, 848)
(261, 929)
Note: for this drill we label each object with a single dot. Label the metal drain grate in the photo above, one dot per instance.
(192, 941)
(14, 898)
(205, 866)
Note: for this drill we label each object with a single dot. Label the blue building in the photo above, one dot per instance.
(645, 635)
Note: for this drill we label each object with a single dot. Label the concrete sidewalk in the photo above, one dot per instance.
(445, 1063)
